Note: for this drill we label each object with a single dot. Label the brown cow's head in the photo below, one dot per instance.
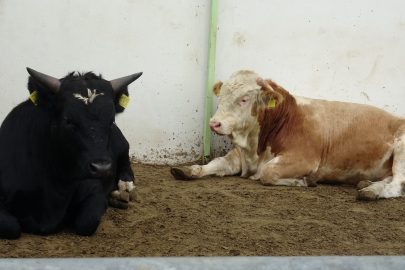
(241, 98)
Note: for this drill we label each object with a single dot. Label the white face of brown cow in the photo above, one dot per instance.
(236, 98)
(242, 99)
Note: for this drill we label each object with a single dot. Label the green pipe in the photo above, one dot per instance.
(210, 79)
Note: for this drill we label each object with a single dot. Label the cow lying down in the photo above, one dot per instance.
(61, 155)
(286, 140)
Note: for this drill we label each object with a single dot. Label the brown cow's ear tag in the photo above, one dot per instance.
(217, 93)
(124, 100)
(34, 97)
(272, 103)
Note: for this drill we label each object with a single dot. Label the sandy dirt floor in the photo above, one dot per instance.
(229, 216)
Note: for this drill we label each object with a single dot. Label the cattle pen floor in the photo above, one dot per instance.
(229, 216)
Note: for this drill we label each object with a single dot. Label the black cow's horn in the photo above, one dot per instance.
(117, 84)
(49, 82)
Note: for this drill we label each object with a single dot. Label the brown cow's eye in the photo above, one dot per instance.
(243, 101)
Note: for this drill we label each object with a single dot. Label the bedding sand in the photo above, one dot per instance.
(229, 216)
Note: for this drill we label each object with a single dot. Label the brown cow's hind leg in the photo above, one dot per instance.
(371, 191)
(391, 186)
(288, 170)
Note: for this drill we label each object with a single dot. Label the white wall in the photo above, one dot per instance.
(167, 40)
(337, 50)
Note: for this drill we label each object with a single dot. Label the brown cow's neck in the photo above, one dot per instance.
(276, 124)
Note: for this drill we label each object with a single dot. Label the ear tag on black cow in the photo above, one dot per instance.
(272, 103)
(124, 100)
(34, 97)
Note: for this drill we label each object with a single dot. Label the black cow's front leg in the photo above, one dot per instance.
(9, 226)
(88, 204)
(124, 179)
(119, 198)
(49, 217)
(89, 214)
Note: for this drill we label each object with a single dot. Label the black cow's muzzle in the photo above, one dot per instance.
(99, 169)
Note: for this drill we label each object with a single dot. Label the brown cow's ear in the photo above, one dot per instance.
(216, 88)
(269, 96)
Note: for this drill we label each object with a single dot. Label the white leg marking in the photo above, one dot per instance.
(291, 182)
(378, 187)
(196, 171)
(128, 186)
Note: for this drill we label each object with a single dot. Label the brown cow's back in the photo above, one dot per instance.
(353, 142)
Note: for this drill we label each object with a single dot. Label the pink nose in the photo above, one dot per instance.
(215, 126)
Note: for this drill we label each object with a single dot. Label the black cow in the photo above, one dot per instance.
(61, 154)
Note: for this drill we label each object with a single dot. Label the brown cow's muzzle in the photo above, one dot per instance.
(215, 126)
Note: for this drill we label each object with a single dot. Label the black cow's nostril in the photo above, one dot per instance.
(99, 170)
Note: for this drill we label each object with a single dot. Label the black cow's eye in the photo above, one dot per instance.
(69, 124)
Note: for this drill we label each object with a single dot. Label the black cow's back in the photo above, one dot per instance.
(24, 158)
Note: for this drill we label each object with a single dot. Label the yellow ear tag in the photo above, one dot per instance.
(272, 103)
(33, 97)
(124, 100)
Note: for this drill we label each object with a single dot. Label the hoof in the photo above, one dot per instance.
(310, 182)
(363, 184)
(183, 173)
(367, 195)
(119, 199)
(267, 182)
(118, 204)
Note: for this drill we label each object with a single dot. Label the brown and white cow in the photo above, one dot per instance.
(286, 140)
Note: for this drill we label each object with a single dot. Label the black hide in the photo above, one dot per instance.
(60, 159)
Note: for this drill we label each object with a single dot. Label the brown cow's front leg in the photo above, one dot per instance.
(288, 170)
(227, 165)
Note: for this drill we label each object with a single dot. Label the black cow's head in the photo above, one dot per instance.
(82, 110)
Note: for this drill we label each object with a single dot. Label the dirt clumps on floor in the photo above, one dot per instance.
(229, 216)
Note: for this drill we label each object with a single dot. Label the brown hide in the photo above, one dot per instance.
(345, 141)
(278, 123)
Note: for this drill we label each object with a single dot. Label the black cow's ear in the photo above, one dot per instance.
(39, 95)
(121, 100)
(47, 81)
(42, 87)
(120, 87)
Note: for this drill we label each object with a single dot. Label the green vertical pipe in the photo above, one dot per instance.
(210, 79)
